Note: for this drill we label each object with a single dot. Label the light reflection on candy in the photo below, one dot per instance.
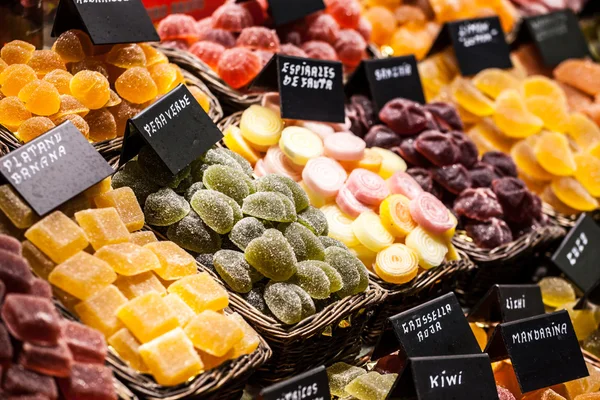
(300, 144)
(430, 250)
(431, 214)
(344, 146)
(397, 264)
(391, 162)
(340, 226)
(370, 231)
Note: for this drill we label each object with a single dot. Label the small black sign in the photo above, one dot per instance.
(309, 89)
(478, 43)
(436, 328)
(54, 168)
(310, 385)
(285, 11)
(176, 127)
(106, 21)
(505, 303)
(543, 349)
(464, 377)
(557, 36)
(385, 79)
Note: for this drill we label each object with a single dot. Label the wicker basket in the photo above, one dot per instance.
(565, 220)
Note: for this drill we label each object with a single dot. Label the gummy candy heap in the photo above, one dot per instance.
(549, 128)
(347, 380)
(261, 236)
(145, 297)
(493, 205)
(406, 28)
(539, 7)
(236, 44)
(42, 354)
(97, 88)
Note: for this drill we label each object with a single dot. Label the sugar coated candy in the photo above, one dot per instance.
(147, 317)
(371, 386)
(127, 346)
(217, 210)
(21, 381)
(99, 311)
(351, 270)
(490, 233)
(82, 275)
(430, 250)
(91, 88)
(88, 381)
(175, 262)
(136, 85)
(140, 284)
(272, 255)
(239, 66)
(40, 97)
(34, 127)
(201, 292)
(249, 342)
(31, 319)
(313, 279)
(44, 61)
(272, 206)
(513, 118)
(305, 243)
(193, 234)
(229, 181)
(14, 77)
(234, 270)
(556, 291)
(165, 207)
(573, 194)
(48, 360)
(431, 214)
(222, 156)
(102, 226)
(554, 154)
(286, 186)
(493, 81)
(73, 46)
(340, 375)
(245, 230)
(125, 202)
(213, 333)
(13, 112)
(17, 52)
(15, 208)
(284, 302)
(87, 345)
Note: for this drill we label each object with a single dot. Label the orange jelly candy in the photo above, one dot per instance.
(70, 105)
(126, 56)
(102, 125)
(44, 61)
(73, 46)
(554, 154)
(166, 77)
(17, 52)
(76, 120)
(588, 173)
(136, 85)
(13, 112)
(383, 22)
(90, 88)
(201, 97)
(102, 226)
(14, 77)
(40, 97)
(153, 56)
(89, 64)
(573, 194)
(34, 127)
(122, 112)
(238, 66)
(60, 79)
(124, 200)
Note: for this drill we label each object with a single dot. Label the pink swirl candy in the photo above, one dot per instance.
(324, 176)
(349, 204)
(277, 163)
(430, 213)
(404, 184)
(259, 168)
(344, 146)
(368, 187)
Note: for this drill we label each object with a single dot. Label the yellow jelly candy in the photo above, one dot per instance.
(40, 97)
(171, 358)
(513, 118)
(202, 98)
(17, 52)
(40, 264)
(136, 85)
(250, 341)
(550, 198)
(588, 172)
(147, 317)
(524, 157)
(128, 259)
(553, 113)
(480, 335)
(541, 86)
(397, 264)
(366, 256)
(69, 105)
(175, 262)
(470, 98)
(407, 40)
(316, 200)
(573, 194)
(340, 225)
(57, 236)
(201, 292)
(371, 161)
(142, 238)
(124, 201)
(261, 126)
(102, 125)
(553, 153)
(14, 77)
(395, 215)
(493, 81)
(100, 310)
(233, 139)
(453, 254)
(91, 88)
(82, 275)
(300, 144)
(488, 137)
(34, 127)
(430, 250)
(390, 162)
(213, 333)
(153, 56)
(137, 285)
(13, 112)
(583, 130)
(128, 348)
(60, 79)
(44, 61)
(370, 232)
(73, 46)
(15, 208)
(102, 226)
(98, 189)
(166, 77)
(182, 311)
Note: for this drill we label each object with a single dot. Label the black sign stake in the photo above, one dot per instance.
(464, 377)
(543, 349)
(106, 22)
(54, 168)
(176, 128)
(310, 385)
(435, 328)
(478, 43)
(557, 36)
(385, 79)
(309, 89)
(505, 303)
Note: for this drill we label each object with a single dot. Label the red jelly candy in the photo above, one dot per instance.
(239, 66)
(265, 56)
(86, 344)
(365, 28)
(289, 49)
(175, 44)
(320, 50)
(232, 17)
(54, 361)
(19, 381)
(220, 36)
(203, 25)
(350, 47)
(480, 204)
(88, 381)
(405, 117)
(345, 12)
(31, 319)
(489, 234)
(454, 178)
(178, 27)
(10, 244)
(208, 52)
(15, 272)
(438, 148)
(324, 28)
(40, 288)
(259, 38)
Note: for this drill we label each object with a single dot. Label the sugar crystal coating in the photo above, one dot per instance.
(228, 181)
(86, 344)
(222, 156)
(193, 234)
(18, 380)
(48, 360)
(147, 317)
(286, 186)
(340, 375)
(314, 219)
(283, 302)
(102, 226)
(192, 189)
(175, 262)
(329, 242)
(213, 333)
(88, 381)
(308, 305)
(137, 285)
(127, 346)
(348, 267)
(217, 210)
(32, 319)
(272, 255)
(312, 279)
(371, 386)
(245, 230)
(306, 244)
(100, 310)
(271, 206)
(128, 258)
(256, 299)
(82, 275)
(233, 269)
(15, 273)
(165, 207)
(201, 292)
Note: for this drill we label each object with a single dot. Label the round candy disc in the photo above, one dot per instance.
(321, 129)
(395, 215)
(340, 225)
(261, 126)
(397, 264)
(349, 204)
(259, 168)
(234, 140)
(277, 163)
(430, 250)
(372, 161)
(391, 162)
(367, 187)
(404, 184)
(300, 144)
(324, 176)
(431, 214)
(344, 146)
(370, 232)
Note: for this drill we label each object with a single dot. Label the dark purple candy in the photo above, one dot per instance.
(482, 175)
(454, 178)
(479, 204)
(15, 272)
(382, 136)
(423, 177)
(503, 163)
(404, 117)
(31, 319)
(54, 361)
(365, 110)
(6, 348)
(438, 148)
(18, 380)
(519, 204)
(446, 116)
(468, 151)
(409, 153)
(431, 122)
(489, 234)
(10, 244)
(356, 126)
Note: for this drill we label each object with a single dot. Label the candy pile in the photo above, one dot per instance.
(146, 297)
(405, 28)
(539, 7)
(236, 46)
(43, 354)
(346, 380)
(97, 88)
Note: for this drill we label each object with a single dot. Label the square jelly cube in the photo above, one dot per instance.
(128, 258)
(371, 386)
(124, 200)
(15, 272)
(249, 342)
(175, 262)
(211, 361)
(76, 204)
(54, 361)
(18, 380)
(100, 310)
(201, 292)
(40, 288)
(10, 244)
(82, 275)
(171, 358)
(88, 381)
(31, 319)
(57, 236)
(16, 209)
(137, 285)
(99, 188)
(38, 261)
(183, 312)
(86, 344)
(128, 348)
(147, 317)
(142, 238)
(213, 333)
(6, 347)
(102, 226)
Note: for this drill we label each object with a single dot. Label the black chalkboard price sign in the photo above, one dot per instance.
(53, 168)
(478, 44)
(106, 21)
(176, 127)
(285, 11)
(464, 377)
(310, 385)
(309, 89)
(385, 79)
(504, 303)
(544, 350)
